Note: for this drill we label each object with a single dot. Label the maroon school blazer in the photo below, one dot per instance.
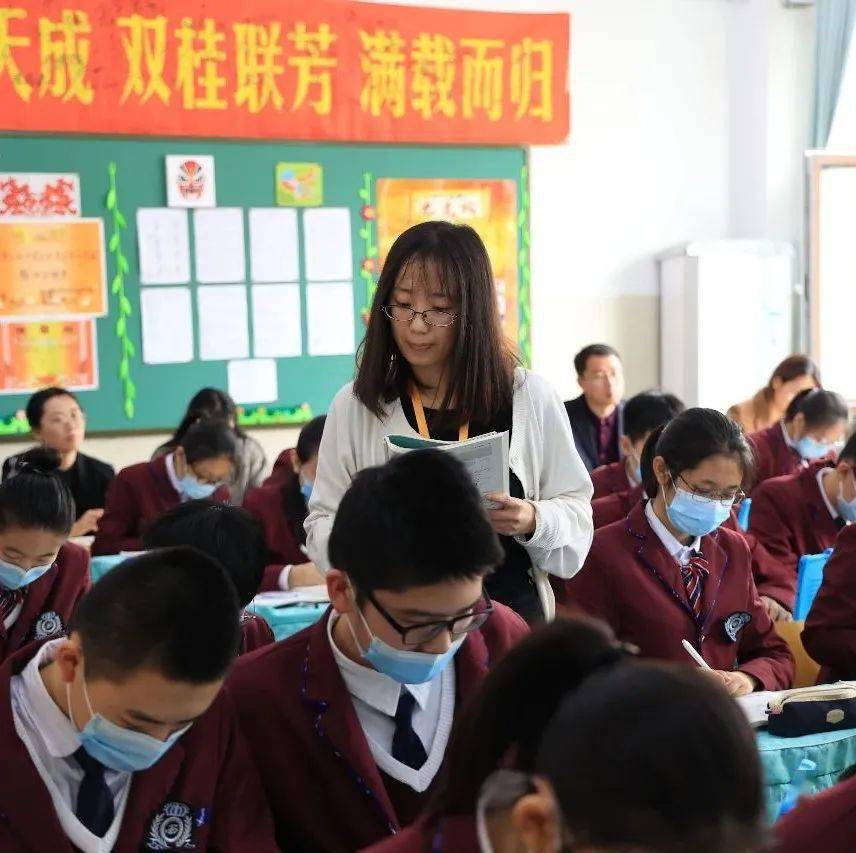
(139, 495)
(825, 822)
(610, 479)
(255, 633)
(50, 601)
(322, 783)
(773, 456)
(205, 787)
(614, 507)
(631, 582)
(789, 518)
(455, 834)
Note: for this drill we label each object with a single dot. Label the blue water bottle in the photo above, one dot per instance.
(743, 514)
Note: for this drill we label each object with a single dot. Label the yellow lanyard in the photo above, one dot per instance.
(419, 412)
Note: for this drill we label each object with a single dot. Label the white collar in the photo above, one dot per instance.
(377, 690)
(682, 553)
(170, 472)
(788, 440)
(821, 476)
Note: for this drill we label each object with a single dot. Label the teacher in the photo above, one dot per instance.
(434, 363)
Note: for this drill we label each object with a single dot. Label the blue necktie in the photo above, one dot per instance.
(406, 746)
(94, 799)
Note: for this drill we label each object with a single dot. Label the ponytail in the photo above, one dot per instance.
(34, 497)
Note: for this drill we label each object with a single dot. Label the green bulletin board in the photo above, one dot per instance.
(118, 176)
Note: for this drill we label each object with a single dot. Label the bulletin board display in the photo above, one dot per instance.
(264, 290)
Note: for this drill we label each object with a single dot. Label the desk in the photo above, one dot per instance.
(99, 566)
(833, 752)
(285, 621)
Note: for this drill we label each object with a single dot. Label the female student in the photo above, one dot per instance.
(198, 468)
(250, 460)
(434, 363)
(795, 374)
(281, 506)
(42, 576)
(814, 423)
(669, 572)
(58, 422)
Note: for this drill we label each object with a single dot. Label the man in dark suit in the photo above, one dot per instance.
(596, 415)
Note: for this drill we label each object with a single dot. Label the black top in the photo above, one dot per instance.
(511, 583)
(87, 480)
(583, 425)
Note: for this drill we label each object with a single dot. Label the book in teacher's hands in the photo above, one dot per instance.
(485, 456)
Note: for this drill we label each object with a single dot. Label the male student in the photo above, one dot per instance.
(348, 721)
(796, 515)
(118, 736)
(596, 415)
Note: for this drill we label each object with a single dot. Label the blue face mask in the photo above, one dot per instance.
(193, 490)
(14, 577)
(810, 448)
(306, 489)
(402, 666)
(697, 516)
(117, 748)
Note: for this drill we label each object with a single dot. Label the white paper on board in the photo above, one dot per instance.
(273, 244)
(223, 329)
(167, 322)
(277, 330)
(219, 245)
(190, 180)
(330, 318)
(164, 245)
(253, 381)
(327, 244)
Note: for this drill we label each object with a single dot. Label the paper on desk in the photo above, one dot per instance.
(218, 234)
(756, 706)
(301, 595)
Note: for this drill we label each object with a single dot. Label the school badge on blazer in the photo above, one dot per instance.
(172, 828)
(47, 625)
(735, 623)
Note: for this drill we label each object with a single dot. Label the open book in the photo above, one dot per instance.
(485, 457)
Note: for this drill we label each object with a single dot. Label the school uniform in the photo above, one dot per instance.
(204, 794)
(825, 822)
(829, 635)
(611, 479)
(775, 454)
(633, 581)
(431, 834)
(320, 728)
(596, 439)
(614, 507)
(791, 516)
(255, 633)
(282, 466)
(138, 496)
(49, 602)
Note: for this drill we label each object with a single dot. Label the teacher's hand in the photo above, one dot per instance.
(512, 516)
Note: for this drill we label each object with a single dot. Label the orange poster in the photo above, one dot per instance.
(36, 355)
(52, 269)
(490, 207)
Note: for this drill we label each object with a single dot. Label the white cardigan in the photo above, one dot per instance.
(542, 455)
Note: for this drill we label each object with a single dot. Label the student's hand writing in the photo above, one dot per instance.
(87, 523)
(305, 574)
(776, 611)
(512, 516)
(736, 683)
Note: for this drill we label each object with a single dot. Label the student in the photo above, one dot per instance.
(670, 572)
(42, 576)
(795, 374)
(829, 635)
(233, 538)
(196, 469)
(281, 505)
(59, 423)
(596, 415)
(435, 362)
(814, 422)
(363, 701)
(506, 717)
(250, 459)
(796, 515)
(118, 737)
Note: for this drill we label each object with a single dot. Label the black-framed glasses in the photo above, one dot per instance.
(418, 635)
(701, 496)
(431, 317)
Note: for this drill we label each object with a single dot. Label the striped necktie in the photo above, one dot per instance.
(694, 575)
(9, 600)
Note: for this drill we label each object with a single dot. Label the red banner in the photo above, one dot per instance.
(285, 69)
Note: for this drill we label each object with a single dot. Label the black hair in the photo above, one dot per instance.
(848, 452)
(646, 411)
(34, 497)
(36, 404)
(309, 439)
(174, 611)
(513, 705)
(229, 534)
(582, 357)
(206, 404)
(819, 407)
(690, 438)
(208, 439)
(655, 756)
(416, 521)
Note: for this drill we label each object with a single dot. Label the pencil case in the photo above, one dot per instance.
(812, 710)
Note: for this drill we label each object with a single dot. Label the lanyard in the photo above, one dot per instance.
(419, 412)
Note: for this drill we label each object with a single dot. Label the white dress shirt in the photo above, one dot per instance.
(173, 477)
(821, 476)
(12, 618)
(375, 697)
(682, 553)
(51, 741)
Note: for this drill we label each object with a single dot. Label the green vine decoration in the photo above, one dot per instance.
(14, 424)
(524, 333)
(117, 226)
(369, 265)
(275, 415)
